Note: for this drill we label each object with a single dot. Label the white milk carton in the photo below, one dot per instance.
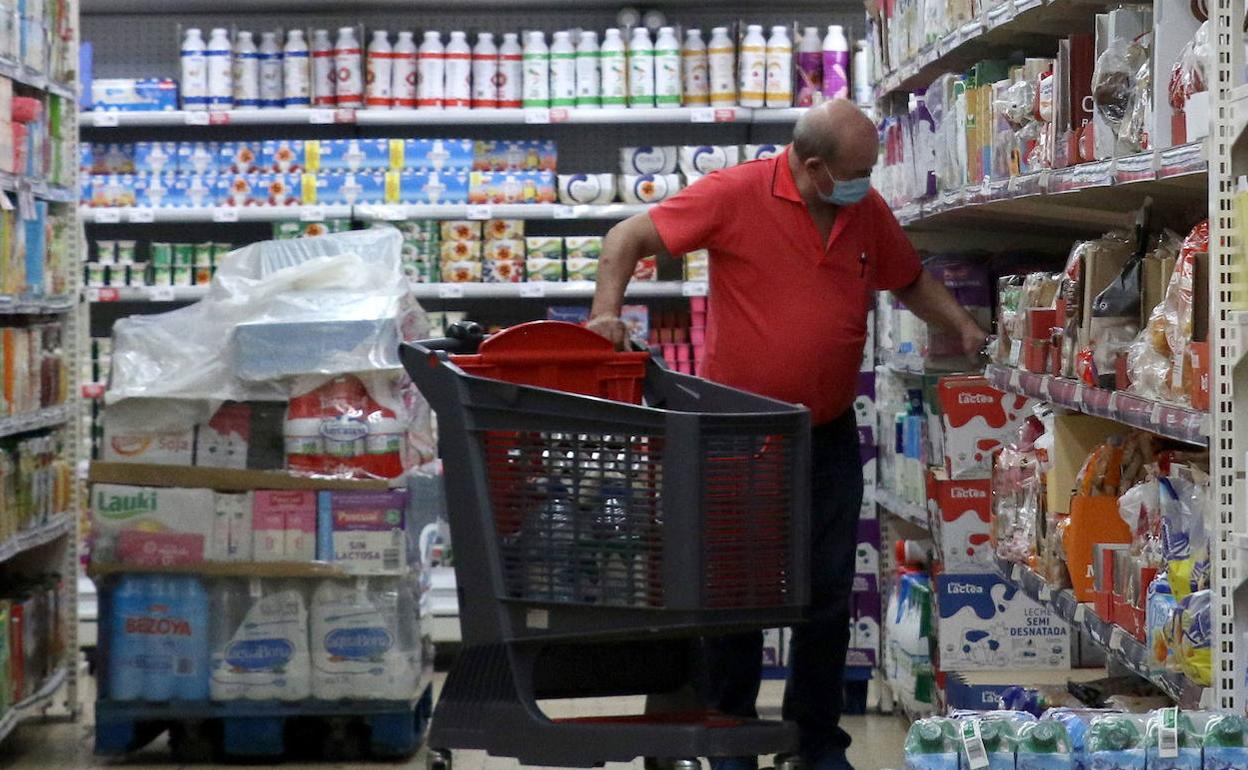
(260, 642)
(356, 650)
(978, 420)
(228, 544)
(987, 624)
(363, 532)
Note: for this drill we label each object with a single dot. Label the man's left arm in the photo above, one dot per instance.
(928, 298)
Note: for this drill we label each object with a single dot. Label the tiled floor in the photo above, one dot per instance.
(877, 741)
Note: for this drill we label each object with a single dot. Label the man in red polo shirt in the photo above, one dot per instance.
(798, 245)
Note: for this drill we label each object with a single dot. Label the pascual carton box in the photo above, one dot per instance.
(985, 623)
(978, 419)
(151, 526)
(363, 532)
(962, 511)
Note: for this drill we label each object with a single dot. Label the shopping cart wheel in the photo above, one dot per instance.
(438, 759)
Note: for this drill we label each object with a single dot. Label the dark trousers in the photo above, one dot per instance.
(730, 667)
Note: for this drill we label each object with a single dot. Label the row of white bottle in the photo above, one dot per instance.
(567, 73)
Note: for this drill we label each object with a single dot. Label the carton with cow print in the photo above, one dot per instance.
(986, 623)
(961, 510)
(978, 420)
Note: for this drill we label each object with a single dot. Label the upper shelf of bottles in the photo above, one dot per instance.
(440, 117)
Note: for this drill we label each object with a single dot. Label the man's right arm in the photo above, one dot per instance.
(625, 245)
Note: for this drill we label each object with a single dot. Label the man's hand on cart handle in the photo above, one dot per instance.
(611, 327)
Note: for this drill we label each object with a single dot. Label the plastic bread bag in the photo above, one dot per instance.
(1139, 507)
(1113, 80)
(1178, 308)
(1189, 74)
(1183, 501)
(1115, 320)
(1133, 136)
(1195, 636)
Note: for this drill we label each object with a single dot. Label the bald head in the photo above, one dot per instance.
(836, 132)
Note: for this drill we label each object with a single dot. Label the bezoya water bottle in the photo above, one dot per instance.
(931, 744)
(296, 85)
(194, 71)
(127, 651)
(270, 71)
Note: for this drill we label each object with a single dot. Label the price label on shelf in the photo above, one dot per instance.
(1016, 352)
(1079, 396)
(108, 294)
(1015, 380)
(702, 115)
(480, 211)
(1044, 388)
(1046, 593)
(104, 119)
(693, 289)
(141, 215)
(225, 214)
(1016, 573)
(537, 117)
(219, 118)
(1081, 612)
(560, 115)
(344, 115)
(1155, 416)
(200, 117)
(1113, 402)
(320, 117)
(92, 390)
(312, 214)
(450, 291)
(92, 295)
(566, 212)
(253, 587)
(106, 216)
(532, 290)
(161, 294)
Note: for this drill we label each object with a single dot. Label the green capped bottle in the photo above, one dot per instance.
(1226, 742)
(1171, 741)
(1044, 746)
(1114, 741)
(988, 743)
(931, 744)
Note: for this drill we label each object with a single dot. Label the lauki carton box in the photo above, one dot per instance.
(985, 623)
(363, 532)
(151, 526)
(978, 419)
(962, 510)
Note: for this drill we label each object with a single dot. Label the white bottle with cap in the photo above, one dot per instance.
(667, 68)
(779, 68)
(194, 71)
(562, 70)
(588, 77)
(324, 86)
(220, 55)
(348, 64)
(403, 72)
(753, 68)
(246, 72)
(270, 71)
(835, 64)
(860, 74)
(614, 60)
(695, 74)
(510, 71)
(640, 69)
(431, 62)
(458, 70)
(378, 81)
(536, 71)
(296, 90)
(721, 56)
(485, 72)
(809, 68)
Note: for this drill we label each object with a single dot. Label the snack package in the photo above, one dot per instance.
(1189, 74)
(1114, 80)
(1194, 634)
(1156, 357)
(1183, 501)
(1158, 611)
(1115, 323)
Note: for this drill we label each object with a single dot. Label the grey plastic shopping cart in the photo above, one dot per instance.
(605, 510)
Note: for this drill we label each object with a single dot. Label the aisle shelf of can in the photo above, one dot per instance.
(1120, 646)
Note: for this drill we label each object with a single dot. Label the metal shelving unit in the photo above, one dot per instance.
(26, 422)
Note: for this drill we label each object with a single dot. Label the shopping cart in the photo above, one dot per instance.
(603, 511)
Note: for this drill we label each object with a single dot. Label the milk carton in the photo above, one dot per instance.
(151, 526)
(363, 532)
(229, 541)
(301, 526)
(962, 510)
(223, 441)
(268, 523)
(356, 647)
(260, 644)
(978, 420)
(985, 623)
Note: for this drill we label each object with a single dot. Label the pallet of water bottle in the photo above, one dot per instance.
(309, 730)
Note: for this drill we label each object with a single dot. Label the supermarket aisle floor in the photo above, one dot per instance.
(877, 741)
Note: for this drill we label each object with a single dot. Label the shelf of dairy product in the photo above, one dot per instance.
(952, 42)
(486, 211)
(36, 536)
(911, 514)
(39, 419)
(1174, 421)
(274, 570)
(440, 117)
(22, 305)
(1120, 645)
(33, 705)
(426, 291)
(367, 213)
(1087, 195)
(224, 214)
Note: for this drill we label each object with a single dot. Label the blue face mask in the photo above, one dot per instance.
(845, 193)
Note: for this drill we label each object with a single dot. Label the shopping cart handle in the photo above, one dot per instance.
(461, 337)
